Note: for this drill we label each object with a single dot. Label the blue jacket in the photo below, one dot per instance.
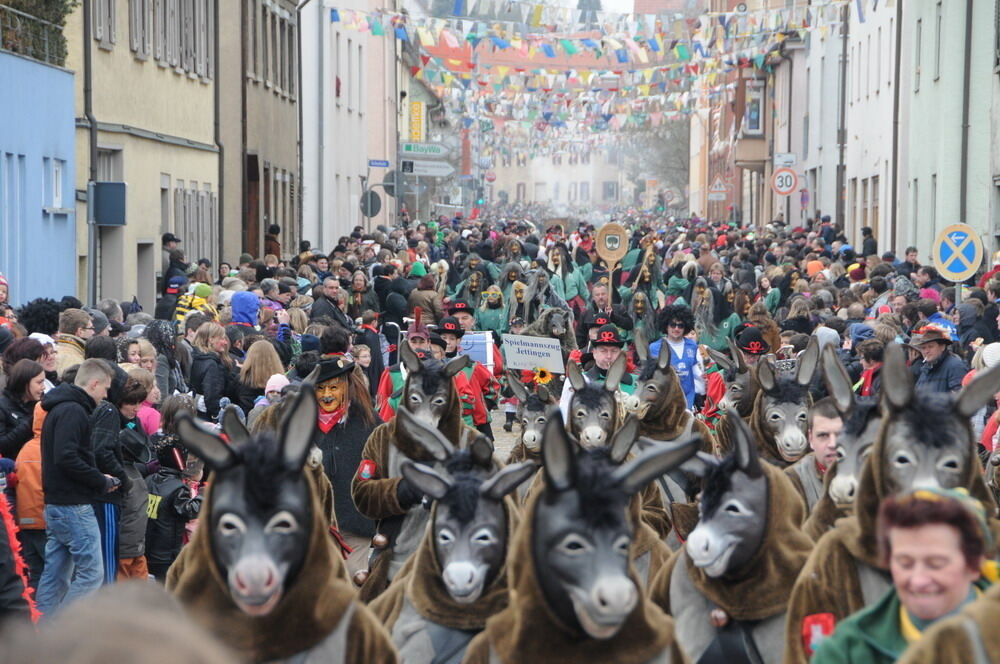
(945, 375)
(245, 306)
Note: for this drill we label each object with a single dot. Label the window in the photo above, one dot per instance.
(584, 191)
(252, 10)
(864, 202)
(275, 70)
(917, 38)
(265, 25)
(875, 195)
(292, 59)
(889, 71)
(282, 50)
(350, 75)
(609, 191)
(519, 196)
(109, 165)
(105, 27)
(937, 41)
(160, 31)
(572, 192)
(58, 166)
(140, 27)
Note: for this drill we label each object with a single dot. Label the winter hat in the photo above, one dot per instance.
(860, 332)
(991, 355)
(309, 342)
(245, 258)
(608, 335)
(751, 341)
(813, 268)
(450, 325)
(99, 320)
(826, 337)
(3, 280)
(930, 294)
(203, 291)
(46, 340)
(418, 269)
(276, 383)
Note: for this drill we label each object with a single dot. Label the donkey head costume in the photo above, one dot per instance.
(593, 410)
(781, 411)
(575, 596)
(263, 550)
(729, 589)
(925, 440)
(532, 413)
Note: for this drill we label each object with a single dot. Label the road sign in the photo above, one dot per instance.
(784, 181)
(371, 203)
(669, 195)
(378, 163)
(718, 191)
(437, 169)
(491, 176)
(957, 252)
(425, 150)
(784, 159)
(612, 243)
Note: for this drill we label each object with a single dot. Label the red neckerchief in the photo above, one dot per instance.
(820, 467)
(326, 421)
(369, 327)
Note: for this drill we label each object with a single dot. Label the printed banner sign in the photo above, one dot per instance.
(530, 353)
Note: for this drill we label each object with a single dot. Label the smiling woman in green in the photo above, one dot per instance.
(935, 543)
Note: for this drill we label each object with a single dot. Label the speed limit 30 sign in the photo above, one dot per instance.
(784, 181)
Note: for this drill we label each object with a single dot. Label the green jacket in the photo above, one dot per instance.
(723, 331)
(870, 636)
(772, 299)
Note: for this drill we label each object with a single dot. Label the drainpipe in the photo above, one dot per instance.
(788, 139)
(966, 92)
(845, 31)
(88, 111)
(217, 128)
(321, 111)
(298, 104)
(896, 123)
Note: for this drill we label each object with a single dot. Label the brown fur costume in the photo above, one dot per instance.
(528, 631)
(760, 589)
(307, 613)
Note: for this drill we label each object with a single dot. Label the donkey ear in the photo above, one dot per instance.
(575, 375)
(546, 396)
(897, 381)
(428, 437)
(615, 373)
(507, 480)
(427, 481)
(808, 363)
(838, 383)
(641, 345)
(409, 357)
(663, 359)
(298, 428)
(233, 427)
(455, 365)
(624, 438)
(722, 359)
(656, 460)
(699, 464)
(978, 393)
(744, 445)
(482, 451)
(517, 387)
(737, 355)
(558, 454)
(765, 376)
(208, 447)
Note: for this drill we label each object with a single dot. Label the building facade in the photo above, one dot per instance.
(259, 126)
(37, 164)
(153, 71)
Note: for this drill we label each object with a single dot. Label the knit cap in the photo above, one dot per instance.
(276, 383)
(203, 291)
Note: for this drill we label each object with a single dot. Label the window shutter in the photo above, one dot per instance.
(99, 12)
(210, 40)
(134, 38)
(159, 14)
(147, 28)
(199, 37)
(112, 22)
(179, 222)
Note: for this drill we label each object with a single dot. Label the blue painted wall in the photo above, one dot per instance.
(37, 164)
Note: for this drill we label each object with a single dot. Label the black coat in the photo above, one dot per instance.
(15, 424)
(323, 307)
(171, 506)
(246, 395)
(69, 466)
(342, 448)
(212, 380)
(106, 426)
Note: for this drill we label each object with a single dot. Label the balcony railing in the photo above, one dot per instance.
(31, 37)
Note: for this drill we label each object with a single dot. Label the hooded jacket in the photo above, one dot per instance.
(756, 593)
(425, 621)
(844, 572)
(211, 380)
(69, 468)
(30, 497)
(529, 631)
(15, 424)
(245, 306)
(70, 352)
(307, 621)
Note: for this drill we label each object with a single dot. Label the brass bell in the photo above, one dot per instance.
(380, 541)
(360, 577)
(718, 618)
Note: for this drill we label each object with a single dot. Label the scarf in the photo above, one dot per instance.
(326, 421)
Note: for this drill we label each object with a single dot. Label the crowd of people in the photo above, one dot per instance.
(101, 481)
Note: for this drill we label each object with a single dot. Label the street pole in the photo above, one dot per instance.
(842, 126)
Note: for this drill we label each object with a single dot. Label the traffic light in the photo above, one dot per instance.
(480, 197)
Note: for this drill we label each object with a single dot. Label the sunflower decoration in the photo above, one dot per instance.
(542, 376)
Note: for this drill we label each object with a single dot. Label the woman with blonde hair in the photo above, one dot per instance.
(212, 376)
(261, 362)
(298, 320)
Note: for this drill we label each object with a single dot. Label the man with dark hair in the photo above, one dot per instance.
(869, 246)
(825, 427)
(870, 353)
(271, 244)
(927, 277)
(72, 482)
(676, 322)
(928, 312)
(327, 305)
(910, 264)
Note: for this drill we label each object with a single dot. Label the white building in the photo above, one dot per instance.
(870, 103)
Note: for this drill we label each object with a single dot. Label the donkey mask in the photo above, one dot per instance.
(593, 410)
(581, 530)
(470, 524)
(741, 384)
(733, 506)
(782, 411)
(532, 411)
(927, 440)
(428, 385)
(261, 504)
(862, 420)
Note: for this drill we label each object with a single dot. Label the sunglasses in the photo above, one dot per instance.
(675, 324)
